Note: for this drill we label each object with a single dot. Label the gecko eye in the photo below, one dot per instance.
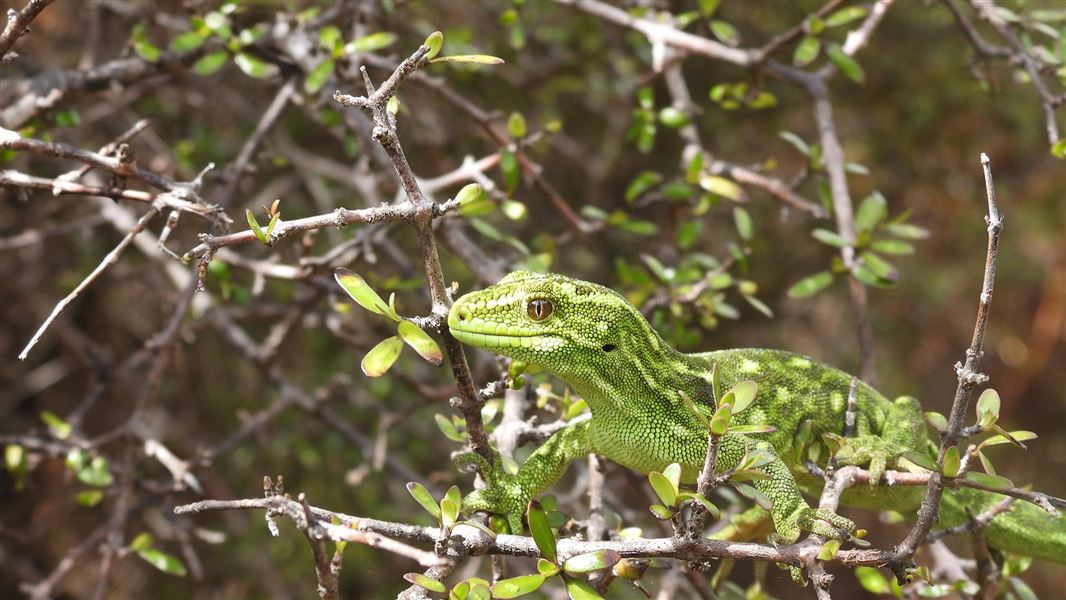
(539, 310)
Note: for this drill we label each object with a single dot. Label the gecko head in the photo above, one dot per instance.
(561, 324)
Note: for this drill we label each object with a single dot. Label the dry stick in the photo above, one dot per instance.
(842, 210)
(18, 24)
(988, 11)
(968, 378)
(327, 580)
(467, 540)
(110, 259)
(62, 187)
(421, 218)
(704, 485)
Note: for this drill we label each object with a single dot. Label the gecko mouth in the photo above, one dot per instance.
(494, 340)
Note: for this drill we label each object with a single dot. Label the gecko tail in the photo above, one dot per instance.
(1023, 529)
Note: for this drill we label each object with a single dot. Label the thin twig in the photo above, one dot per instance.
(18, 23)
(110, 259)
(968, 378)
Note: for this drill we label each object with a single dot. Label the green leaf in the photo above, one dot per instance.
(845, 15)
(830, 238)
(143, 541)
(907, 231)
(190, 40)
(358, 289)
(989, 480)
(1013, 437)
(763, 99)
(541, 530)
(449, 512)
(254, 225)
(592, 561)
(725, 32)
(509, 167)
(704, 502)
(879, 266)
(59, 428)
(163, 561)
(742, 220)
(810, 285)
(370, 43)
(694, 168)
(330, 38)
(896, 247)
(89, 497)
(448, 428)
(673, 117)
(721, 419)
(744, 394)
(866, 275)
(752, 429)
(921, 459)
(937, 421)
(872, 210)
(672, 472)
(872, 580)
(845, 63)
(421, 342)
(664, 489)
(470, 194)
(96, 473)
(424, 498)
(1058, 150)
(796, 142)
(988, 407)
(318, 76)
(517, 586)
(381, 357)
(661, 512)
(828, 550)
(692, 407)
(546, 567)
(209, 63)
(952, 462)
(579, 590)
(643, 182)
(253, 67)
(806, 51)
(721, 186)
(481, 59)
(454, 495)
(514, 210)
(516, 125)
(435, 42)
(426, 582)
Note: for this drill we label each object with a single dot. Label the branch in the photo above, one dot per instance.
(968, 379)
(421, 217)
(110, 259)
(18, 24)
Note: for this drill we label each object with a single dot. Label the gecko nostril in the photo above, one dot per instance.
(464, 313)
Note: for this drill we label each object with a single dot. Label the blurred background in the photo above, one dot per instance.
(259, 374)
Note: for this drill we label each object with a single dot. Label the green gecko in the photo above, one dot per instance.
(593, 339)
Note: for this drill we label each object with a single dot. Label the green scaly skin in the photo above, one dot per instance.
(631, 379)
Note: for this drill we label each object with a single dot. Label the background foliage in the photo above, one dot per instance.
(601, 132)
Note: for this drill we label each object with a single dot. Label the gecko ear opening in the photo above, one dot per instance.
(608, 347)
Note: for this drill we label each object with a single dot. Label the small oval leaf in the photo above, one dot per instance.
(516, 586)
(424, 498)
(420, 341)
(541, 530)
(381, 357)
